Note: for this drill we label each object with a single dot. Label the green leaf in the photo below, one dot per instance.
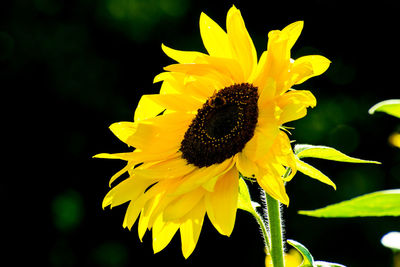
(377, 204)
(391, 107)
(328, 153)
(392, 240)
(244, 199)
(308, 260)
(327, 264)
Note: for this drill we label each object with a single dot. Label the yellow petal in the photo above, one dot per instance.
(266, 93)
(128, 190)
(278, 57)
(203, 175)
(128, 167)
(210, 184)
(167, 169)
(147, 108)
(183, 205)
(203, 87)
(278, 44)
(133, 211)
(158, 134)
(284, 156)
(258, 78)
(221, 204)
(135, 207)
(190, 229)
(133, 134)
(176, 102)
(293, 30)
(214, 38)
(123, 156)
(136, 157)
(145, 215)
(309, 66)
(268, 115)
(246, 167)
(123, 130)
(153, 156)
(294, 104)
(165, 199)
(138, 134)
(273, 184)
(181, 56)
(162, 77)
(313, 172)
(163, 232)
(206, 70)
(173, 83)
(242, 46)
(231, 68)
(261, 142)
(274, 63)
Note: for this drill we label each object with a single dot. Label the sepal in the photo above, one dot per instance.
(244, 199)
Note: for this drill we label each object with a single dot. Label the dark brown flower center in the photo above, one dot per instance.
(222, 127)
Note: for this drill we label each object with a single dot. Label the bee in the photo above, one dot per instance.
(216, 101)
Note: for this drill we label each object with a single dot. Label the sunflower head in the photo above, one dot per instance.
(217, 114)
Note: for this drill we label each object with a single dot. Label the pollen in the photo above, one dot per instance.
(222, 126)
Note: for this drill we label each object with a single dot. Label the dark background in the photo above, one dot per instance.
(68, 69)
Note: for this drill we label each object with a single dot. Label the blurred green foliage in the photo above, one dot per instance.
(137, 18)
(6, 46)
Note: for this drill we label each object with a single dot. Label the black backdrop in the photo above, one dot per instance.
(68, 69)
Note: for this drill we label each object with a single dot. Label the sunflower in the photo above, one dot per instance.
(217, 115)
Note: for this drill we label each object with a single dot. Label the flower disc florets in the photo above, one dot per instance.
(222, 127)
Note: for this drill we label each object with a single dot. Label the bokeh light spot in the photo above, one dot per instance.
(174, 8)
(111, 254)
(67, 210)
(138, 18)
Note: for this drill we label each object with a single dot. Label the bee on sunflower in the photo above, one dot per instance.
(217, 115)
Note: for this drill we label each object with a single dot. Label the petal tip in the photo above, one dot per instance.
(233, 8)
(203, 18)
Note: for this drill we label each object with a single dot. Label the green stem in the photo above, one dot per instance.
(275, 228)
(264, 230)
(273, 209)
